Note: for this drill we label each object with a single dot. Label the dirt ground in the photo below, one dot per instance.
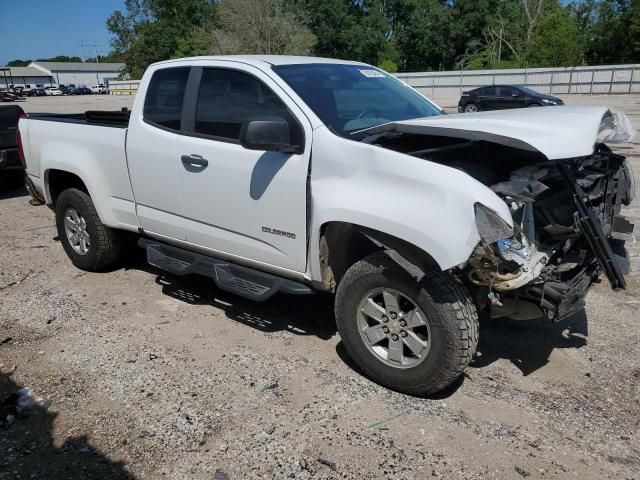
(152, 376)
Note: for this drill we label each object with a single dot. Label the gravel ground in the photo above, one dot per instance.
(152, 376)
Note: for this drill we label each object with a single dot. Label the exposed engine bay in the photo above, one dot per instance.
(567, 224)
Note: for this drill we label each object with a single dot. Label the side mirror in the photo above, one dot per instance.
(267, 134)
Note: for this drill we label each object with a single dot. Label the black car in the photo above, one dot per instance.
(498, 97)
(37, 92)
(82, 91)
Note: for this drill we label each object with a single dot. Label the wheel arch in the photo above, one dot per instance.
(342, 244)
(56, 181)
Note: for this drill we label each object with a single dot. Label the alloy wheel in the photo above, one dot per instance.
(75, 227)
(394, 328)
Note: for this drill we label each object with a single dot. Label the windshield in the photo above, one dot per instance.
(348, 98)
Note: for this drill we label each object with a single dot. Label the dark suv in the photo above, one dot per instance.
(11, 168)
(498, 97)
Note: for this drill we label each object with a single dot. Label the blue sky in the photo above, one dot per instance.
(42, 29)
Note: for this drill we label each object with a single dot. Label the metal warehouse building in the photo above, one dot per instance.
(79, 74)
(23, 76)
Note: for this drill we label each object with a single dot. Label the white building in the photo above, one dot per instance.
(27, 77)
(79, 74)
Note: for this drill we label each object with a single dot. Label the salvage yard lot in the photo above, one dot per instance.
(154, 376)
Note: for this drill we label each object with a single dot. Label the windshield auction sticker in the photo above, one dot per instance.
(372, 73)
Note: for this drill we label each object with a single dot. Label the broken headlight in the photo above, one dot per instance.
(491, 227)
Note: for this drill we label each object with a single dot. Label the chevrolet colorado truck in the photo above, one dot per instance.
(292, 174)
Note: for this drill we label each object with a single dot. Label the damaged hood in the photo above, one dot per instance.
(555, 132)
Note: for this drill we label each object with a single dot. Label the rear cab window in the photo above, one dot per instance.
(165, 96)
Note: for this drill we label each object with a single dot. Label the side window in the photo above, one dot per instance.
(163, 103)
(506, 91)
(227, 98)
(489, 91)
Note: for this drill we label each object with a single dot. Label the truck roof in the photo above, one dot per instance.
(261, 60)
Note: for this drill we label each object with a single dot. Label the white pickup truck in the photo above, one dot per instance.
(292, 174)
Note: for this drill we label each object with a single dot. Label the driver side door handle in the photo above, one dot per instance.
(193, 159)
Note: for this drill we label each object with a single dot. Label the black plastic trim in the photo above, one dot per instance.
(593, 230)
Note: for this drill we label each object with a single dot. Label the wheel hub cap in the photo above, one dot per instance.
(394, 328)
(75, 227)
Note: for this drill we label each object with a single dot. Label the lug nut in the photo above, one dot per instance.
(403, 323)
(385, 329)
(403, 334)
(385, 319)
(394, 337)
(394, 315)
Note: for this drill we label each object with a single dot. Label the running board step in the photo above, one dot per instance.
(244, 281)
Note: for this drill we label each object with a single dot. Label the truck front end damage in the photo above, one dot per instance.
(567, 231)
(564, 188)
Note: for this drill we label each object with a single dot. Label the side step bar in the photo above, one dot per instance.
(244, 281)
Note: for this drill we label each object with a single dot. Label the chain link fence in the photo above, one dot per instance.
(604, 79)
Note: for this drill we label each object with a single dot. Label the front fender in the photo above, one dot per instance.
(428, 205)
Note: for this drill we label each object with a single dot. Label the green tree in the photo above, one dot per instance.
(151, 30)
(262, 27)
(633, 23)
(60, 58)
(18, 63)
(352, 29)
(556, 41)
(469, 19)
(424, 36)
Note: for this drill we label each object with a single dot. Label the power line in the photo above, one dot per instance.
(89, 44)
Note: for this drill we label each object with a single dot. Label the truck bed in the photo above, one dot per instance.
(90, 146)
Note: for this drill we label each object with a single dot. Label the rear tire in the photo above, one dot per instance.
(471, 108)
(449, 339)
(87, 241)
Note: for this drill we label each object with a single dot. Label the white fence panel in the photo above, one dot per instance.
(614, 79)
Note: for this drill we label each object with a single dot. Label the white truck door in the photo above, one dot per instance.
(152, 155)
(246, 204)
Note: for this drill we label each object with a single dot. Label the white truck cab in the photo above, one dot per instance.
(297, 174)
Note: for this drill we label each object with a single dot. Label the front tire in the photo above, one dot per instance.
(87, 241)
(413, 337)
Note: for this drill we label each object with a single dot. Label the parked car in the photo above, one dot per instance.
(11, 169)
(52, 91)
(10, 96)
(291, 174)
(65, 90)
(101, 89)
(37, 92)
(82, 91)
(498, 97)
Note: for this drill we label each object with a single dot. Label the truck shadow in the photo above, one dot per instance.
(300, 315)
(528, 344)
(28, 450)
